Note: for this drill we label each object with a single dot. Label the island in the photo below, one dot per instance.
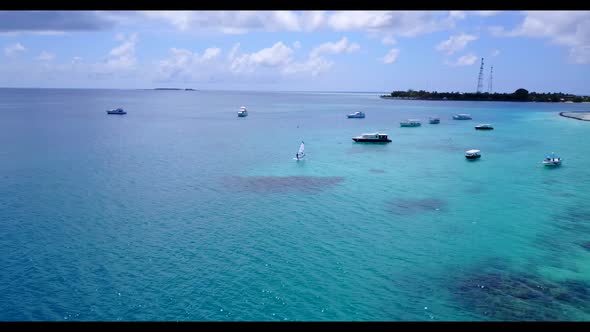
(518, 95)
(187, 89)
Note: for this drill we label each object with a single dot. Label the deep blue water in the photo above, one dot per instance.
(180, 210)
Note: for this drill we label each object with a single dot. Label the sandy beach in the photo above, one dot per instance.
(584, 116)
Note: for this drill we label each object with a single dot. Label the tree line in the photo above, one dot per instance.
(518, 95)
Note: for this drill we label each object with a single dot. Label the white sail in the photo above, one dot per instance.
(301, 153)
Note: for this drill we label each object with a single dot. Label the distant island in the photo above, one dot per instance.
(518, 95)
(187, 89)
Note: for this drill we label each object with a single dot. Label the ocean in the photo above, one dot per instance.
(181, 211)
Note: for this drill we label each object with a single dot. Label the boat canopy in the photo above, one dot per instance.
(472, 151)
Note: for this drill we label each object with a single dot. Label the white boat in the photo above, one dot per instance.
(117, 111)
(301, 153)
(462, 116)
(410, 123)
(472, 154)
(552, 160)
(433, 120)
(372, 138)
(242, 112)
(484, 127)
(356, 115)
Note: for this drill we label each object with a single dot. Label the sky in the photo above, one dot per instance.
(373, 51)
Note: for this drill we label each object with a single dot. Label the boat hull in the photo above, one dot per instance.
(118, 113)
(552, 164)
(434, 121)
(368, 140)
(484, 128)
(410, 125)
(242, 115)
(355, 117)
(473, 157)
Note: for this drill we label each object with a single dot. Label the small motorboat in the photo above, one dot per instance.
(356, 115)
(462, 116)
(410, 123)
(242, 112)
(433, 120)
(472, 154)
(372, 138)
(116, 111)
(484, 127)
(552, 160)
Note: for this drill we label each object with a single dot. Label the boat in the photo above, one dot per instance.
(462, 116)
(552, 160)
(472, 154)
(372, 138)
(356, 115)
(484, 127)
(242, 112)
(117, 111)
(410, 123)
(301, 153)
(433, 120)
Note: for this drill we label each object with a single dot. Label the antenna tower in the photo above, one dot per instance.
(490, 80)
(480, 78)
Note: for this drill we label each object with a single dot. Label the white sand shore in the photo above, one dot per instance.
(584, 116)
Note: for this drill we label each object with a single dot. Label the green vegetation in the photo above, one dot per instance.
(518, 95)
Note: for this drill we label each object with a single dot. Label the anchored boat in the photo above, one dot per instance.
(472, 154)
(372, 138)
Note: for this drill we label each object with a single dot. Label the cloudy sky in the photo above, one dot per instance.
(296, 50)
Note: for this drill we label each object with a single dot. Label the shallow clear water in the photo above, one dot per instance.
(180, 210)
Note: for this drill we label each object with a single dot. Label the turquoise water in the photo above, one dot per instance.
(180, 210)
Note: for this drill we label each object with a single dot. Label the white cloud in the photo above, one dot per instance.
(455, 43)
(121, 57)
(296, 44)
(13, 49)
(398, 23)
(278, 54)
(232, 22)
(313, 66)
(567, 28)
(401, 23)
(391, 56)
(457, 14)
(76, 60)
(46, 56)
(495, 53)
(234, 50)
(388, 40)
(338, 47)
(312, 20)
(487, 12)
(465, 60)
(187, 65)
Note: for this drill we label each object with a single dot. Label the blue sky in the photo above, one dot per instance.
(543, 51)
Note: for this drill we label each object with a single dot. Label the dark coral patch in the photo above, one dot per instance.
(506, 295)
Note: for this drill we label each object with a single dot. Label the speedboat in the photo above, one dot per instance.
(117, 111)
(462, 116)
(552, 160)
(410, 123)
(433, 120)
(372, 138)
(242, 112)
(484, 127)
(356, 115)
(472, 154)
